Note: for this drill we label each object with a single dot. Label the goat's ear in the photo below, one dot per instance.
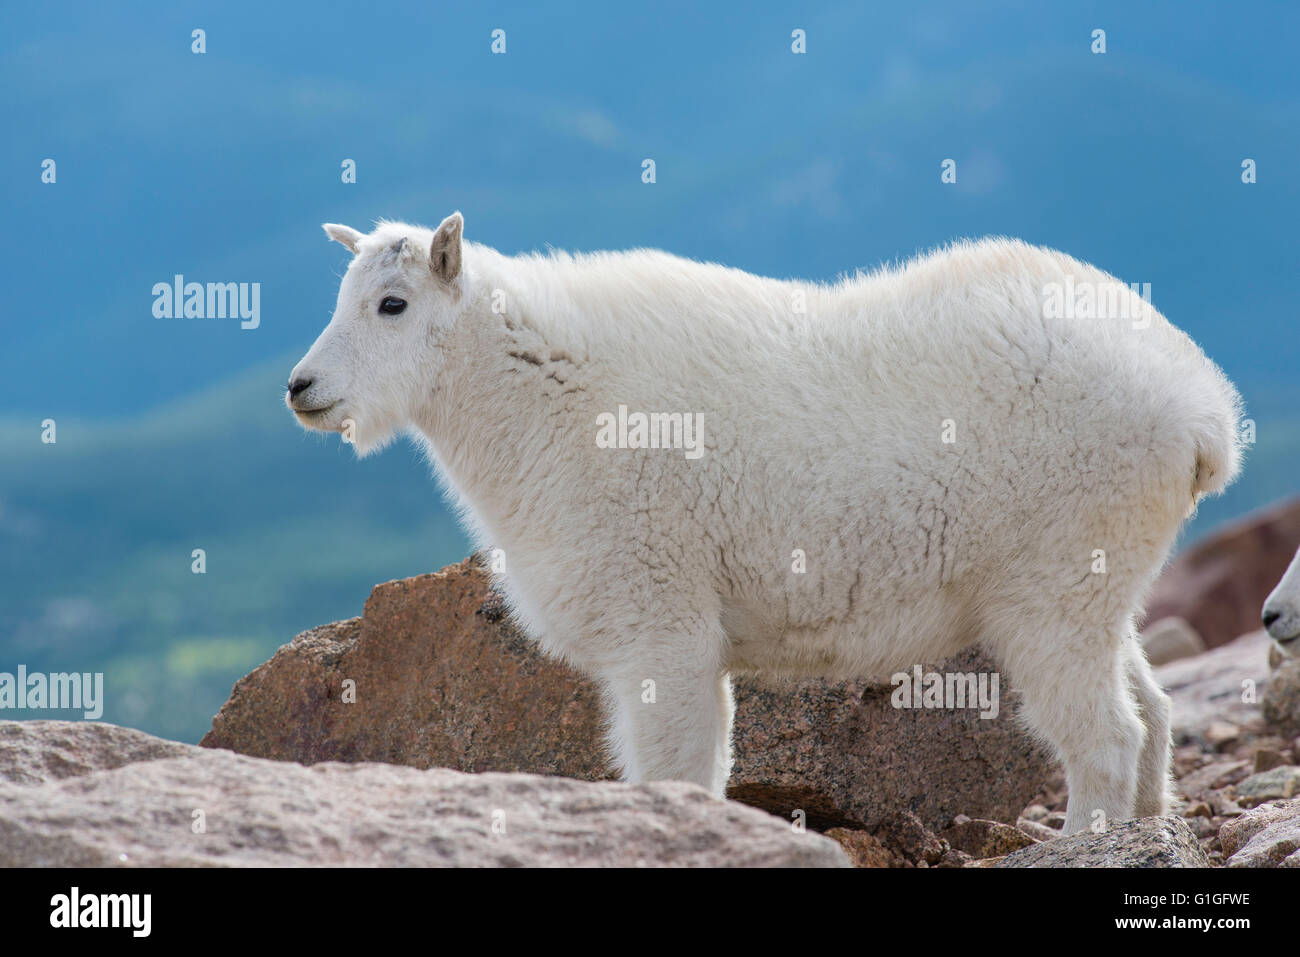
(343, 234)
(444, 252)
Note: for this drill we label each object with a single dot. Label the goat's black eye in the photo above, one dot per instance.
(391, 306)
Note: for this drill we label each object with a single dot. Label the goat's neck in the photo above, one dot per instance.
(488, 420)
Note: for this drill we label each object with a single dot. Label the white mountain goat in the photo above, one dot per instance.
(1282, 610)
(864, 476)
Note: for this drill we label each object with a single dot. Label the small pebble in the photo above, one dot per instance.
(1266, 759)
(1036, 813)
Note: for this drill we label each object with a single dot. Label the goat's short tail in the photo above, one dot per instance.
(1216, 431)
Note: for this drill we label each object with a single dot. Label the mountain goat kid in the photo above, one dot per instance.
(995, 443)
(1282, 610)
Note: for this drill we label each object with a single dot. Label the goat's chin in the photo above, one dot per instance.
(366, 434)
(366, 439)
(321, 420)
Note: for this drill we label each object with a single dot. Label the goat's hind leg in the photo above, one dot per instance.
(1155, 710)
(1075, 686)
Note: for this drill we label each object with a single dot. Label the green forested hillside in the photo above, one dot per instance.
(97, 532)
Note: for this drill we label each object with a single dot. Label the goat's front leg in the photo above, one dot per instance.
(672, 711)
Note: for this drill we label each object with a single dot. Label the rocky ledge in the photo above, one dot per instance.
(156, 803)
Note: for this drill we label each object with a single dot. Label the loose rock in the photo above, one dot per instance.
(1281, 704)
(1268, 836)
(1281, 782)
(1147, 842)
(987, 838)
(1170, 639)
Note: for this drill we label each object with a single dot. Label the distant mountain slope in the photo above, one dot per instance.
(97, 531)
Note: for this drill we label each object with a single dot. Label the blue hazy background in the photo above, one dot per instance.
(221, 166)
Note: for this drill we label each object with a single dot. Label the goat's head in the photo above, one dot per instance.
(1282, 610)
(378, 360)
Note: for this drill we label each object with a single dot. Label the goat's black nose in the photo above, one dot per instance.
(298, 386)
(1270, 617)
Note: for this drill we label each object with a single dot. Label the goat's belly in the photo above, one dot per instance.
(868, 646)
